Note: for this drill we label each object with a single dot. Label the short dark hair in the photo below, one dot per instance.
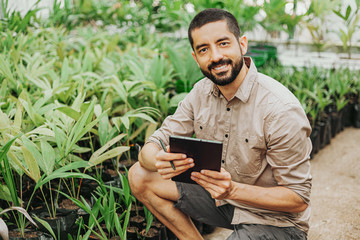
(213, 15)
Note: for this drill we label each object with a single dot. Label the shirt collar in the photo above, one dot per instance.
(243, 92)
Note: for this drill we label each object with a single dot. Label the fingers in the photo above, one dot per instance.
(166, 156)
(208, 180)
(168, 175)
(178, 163)
(223, 175)
(218, 184)
(217, 191)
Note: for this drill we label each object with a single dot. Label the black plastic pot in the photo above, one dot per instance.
(336, 123)
(62, 225)
(159, 226)
(315, 140)
(357, 115)
(325, 131)
(132, 233)
(40, 235)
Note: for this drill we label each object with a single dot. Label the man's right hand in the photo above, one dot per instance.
(181, 162)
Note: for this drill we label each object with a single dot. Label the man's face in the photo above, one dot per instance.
(218, 52)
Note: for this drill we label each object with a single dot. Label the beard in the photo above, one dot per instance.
(221, 78)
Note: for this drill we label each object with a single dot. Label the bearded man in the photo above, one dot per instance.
(263, 188)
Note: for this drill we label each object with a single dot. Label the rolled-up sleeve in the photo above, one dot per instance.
(289, 148)
(180, 123)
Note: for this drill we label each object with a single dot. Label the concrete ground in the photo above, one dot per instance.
(335, 196)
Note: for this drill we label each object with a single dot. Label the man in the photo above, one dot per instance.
(263, 189)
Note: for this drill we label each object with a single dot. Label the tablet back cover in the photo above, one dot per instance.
(206, 154)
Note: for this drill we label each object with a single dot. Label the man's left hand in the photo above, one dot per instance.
(218, 184)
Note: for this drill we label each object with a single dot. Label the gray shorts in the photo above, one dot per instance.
(196, 202)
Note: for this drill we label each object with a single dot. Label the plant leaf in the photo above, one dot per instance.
(48, 153)
(4, 232)
(101, 150)
(70, 112)
(31, 164)
(46, 225)
(109, 154)
(21, 210)
(150, 130)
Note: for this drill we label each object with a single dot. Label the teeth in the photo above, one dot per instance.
(221, 67)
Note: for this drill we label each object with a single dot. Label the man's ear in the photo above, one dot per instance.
(194, 56)
(244, 44)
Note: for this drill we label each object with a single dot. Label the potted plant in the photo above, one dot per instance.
(20, 215)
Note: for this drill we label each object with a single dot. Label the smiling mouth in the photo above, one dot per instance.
(220, 68)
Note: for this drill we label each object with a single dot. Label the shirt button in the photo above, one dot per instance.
(226, 135)
(223, 161)
(228, 109)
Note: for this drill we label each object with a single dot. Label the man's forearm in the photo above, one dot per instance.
(273, 198)
(147, 156)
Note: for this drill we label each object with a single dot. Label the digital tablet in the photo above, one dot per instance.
(206, 154)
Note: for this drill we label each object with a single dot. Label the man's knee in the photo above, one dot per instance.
(137, 179)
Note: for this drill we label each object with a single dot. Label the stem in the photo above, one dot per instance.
(57, 196)
(21, 192)
(127, 152)
(17, 221)
(91, 144)
(47, 205)
(78, 193)
(67, 187)
(51, 199)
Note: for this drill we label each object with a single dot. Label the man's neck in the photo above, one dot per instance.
(228, 91)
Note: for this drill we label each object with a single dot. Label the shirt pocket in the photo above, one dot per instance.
(246, 158)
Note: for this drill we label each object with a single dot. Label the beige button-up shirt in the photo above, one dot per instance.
(265, 135)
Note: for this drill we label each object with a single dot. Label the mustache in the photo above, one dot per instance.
(219, 63)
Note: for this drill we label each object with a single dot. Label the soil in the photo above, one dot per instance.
(335, 197)
(137, 221)
(68, 204)
(150, 234)
(17, 234)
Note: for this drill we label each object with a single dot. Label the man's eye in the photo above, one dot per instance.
(224, 43)
(202, 50)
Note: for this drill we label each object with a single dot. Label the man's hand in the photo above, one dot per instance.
(218, 184)
(181, 162)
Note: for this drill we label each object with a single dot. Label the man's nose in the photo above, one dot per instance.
(216, 55)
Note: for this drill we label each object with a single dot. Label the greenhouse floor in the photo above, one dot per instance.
(335, 194)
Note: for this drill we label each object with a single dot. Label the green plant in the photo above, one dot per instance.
(350, 19)
(105, 211)
(149, 219)
(316, 22)
(339, 87)
(171, 16)
(8, 177)
(187, 73)
(3, 226)
(275, 12)
(14, 21)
